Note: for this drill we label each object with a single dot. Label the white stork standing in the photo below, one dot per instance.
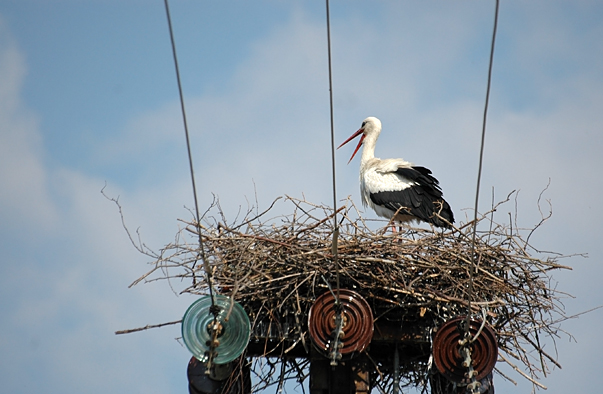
(396, 187)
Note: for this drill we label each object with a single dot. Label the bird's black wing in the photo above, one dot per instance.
(422, 200)
(422, 176)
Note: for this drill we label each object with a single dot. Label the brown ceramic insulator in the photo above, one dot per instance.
(357, 322)
(446, 350)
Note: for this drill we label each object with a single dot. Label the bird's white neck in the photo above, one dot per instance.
(368, 150)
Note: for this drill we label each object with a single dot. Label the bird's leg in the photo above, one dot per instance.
(392, 223)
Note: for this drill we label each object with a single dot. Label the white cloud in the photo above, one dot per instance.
(23, 196)
(66, 264)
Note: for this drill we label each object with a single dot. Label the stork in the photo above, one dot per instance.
(394, 188)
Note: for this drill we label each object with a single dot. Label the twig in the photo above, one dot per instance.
(148, 326)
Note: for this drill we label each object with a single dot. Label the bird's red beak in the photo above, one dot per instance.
(356, 134)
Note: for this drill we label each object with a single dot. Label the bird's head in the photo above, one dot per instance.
(370, 126)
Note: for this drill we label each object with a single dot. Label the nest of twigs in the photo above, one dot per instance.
(276, 265)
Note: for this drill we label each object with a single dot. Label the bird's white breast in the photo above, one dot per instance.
(379, 176)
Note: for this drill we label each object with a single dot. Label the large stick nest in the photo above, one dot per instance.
(276, 266)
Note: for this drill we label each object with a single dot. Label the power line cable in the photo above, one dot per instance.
(335, 223)
(190, 162)
(479, 171)
(338, 333)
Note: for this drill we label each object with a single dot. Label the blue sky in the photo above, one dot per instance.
(88, 99)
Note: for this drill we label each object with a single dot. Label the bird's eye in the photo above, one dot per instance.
(363, 123)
